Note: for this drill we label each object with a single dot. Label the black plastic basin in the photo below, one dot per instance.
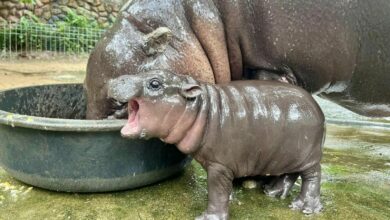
(45, 142)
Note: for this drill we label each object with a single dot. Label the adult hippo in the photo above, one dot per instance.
(339, 49)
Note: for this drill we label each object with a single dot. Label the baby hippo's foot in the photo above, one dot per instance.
(212, 216)
(307, 205)
(280, 186)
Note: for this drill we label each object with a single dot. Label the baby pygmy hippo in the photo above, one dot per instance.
(239, 129)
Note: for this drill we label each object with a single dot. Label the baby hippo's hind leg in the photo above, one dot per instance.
(308, 201)
(280, 186)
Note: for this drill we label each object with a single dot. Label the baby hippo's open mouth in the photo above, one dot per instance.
(132, 129)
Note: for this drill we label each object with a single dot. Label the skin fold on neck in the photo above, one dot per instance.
(189, 130)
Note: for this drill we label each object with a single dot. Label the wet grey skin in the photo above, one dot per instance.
(238, 129)
(336, 48)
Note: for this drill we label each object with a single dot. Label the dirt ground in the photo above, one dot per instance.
(19, 73)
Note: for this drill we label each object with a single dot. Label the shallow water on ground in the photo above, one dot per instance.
(355, 185)
(334, 111)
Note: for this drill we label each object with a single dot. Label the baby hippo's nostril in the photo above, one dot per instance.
(119, 110)
(122, 113)
(119, 104)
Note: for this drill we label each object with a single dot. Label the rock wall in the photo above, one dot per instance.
(103, 11)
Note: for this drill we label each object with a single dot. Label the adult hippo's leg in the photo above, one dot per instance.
(309, 198)
(280, 186)
(285, 75)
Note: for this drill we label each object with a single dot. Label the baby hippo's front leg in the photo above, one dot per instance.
(220, 184)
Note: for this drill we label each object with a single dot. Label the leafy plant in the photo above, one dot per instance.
(28, 1)
(78, 20)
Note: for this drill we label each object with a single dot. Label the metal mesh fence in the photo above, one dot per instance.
(31, 39)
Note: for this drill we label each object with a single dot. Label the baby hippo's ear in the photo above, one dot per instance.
(191, 91)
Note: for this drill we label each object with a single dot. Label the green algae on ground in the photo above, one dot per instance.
(351, 161)
(372, 136)
(367, 142)
(355, 186)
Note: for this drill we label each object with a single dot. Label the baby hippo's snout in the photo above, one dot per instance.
(121, 90)
(124, 88)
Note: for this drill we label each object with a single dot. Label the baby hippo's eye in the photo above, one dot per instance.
(154, 84)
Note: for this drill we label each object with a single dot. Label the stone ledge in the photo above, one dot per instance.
(103, 11)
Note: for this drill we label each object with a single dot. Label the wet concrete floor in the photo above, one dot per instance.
(355, 185)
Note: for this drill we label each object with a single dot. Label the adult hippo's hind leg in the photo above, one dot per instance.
(308, 201)
(280, 186)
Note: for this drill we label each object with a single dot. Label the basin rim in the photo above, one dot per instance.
(58, 124)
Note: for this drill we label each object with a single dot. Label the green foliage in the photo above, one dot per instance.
(74, 34)
(28, 1)
(73, 19)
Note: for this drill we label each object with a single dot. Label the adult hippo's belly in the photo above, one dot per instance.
(336, 48)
